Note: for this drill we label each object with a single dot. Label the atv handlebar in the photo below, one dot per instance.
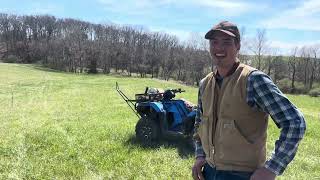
(177, 90)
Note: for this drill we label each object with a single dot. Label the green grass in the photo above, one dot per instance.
(68, 126)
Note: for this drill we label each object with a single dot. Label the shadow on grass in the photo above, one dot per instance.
(184, 145)
(46, 69)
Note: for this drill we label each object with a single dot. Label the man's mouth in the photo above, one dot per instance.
(220, 55)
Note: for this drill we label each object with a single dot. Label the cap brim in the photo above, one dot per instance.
(212, 31)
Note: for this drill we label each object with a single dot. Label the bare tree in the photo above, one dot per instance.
(270, 59)
(315, 64)
(244, 46)
(280, 67)
(258, 46)
(305, 61)
(293, 67)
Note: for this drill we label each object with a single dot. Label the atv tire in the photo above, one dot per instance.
(147, 130)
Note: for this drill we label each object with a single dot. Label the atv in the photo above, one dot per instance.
(160, 115)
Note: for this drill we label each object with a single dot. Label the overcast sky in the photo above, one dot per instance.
(288, 23)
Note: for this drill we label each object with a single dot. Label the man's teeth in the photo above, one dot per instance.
(220, 54)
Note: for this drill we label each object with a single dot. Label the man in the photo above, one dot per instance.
(231, 125)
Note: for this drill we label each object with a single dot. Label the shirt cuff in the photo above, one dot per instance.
(199, 150)
(275, 166)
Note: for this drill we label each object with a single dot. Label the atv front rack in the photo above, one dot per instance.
(130, 102)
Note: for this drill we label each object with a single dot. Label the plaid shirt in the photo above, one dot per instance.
(264, 95)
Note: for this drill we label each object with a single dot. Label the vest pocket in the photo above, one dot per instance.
(241, 133)
(234, 147)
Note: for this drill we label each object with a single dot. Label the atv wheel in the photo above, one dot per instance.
(147, 130)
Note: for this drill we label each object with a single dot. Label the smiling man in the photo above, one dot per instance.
(233, 107)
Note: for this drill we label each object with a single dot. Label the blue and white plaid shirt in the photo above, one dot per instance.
(264, 95)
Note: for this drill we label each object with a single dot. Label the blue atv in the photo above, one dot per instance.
(160, 115)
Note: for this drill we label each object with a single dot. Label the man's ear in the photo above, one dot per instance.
(238, 46)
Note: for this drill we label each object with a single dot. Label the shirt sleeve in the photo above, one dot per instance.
(264, 95)
(197, 142)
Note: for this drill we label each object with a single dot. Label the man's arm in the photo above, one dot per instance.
(199, 153)
(263, 94)
(198, 146)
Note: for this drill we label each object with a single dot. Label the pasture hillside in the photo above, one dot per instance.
(56, 125)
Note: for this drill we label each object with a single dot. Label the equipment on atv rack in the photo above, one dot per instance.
(160, 115)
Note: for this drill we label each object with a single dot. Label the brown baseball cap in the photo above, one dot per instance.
(226, 27)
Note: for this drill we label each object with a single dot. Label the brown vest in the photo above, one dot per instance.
(233, 135)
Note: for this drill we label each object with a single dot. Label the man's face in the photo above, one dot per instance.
(223, 49)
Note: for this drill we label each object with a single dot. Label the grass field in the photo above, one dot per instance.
(56, 125)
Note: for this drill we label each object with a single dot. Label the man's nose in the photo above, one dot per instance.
(218, 46)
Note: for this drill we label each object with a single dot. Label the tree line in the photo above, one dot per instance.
(78, 46)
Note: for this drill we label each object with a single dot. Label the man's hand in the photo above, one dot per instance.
(263, 174)
(197, 168)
